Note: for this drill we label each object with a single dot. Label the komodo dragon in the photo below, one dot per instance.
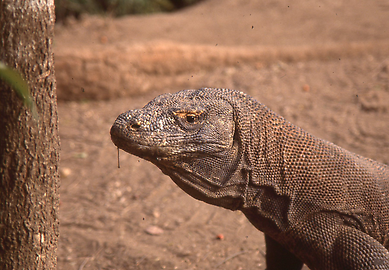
(317, 203)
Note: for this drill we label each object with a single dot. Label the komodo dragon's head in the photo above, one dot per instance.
(193, 137)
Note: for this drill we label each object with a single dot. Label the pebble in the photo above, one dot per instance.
(306, 88)
(154, 230)
(220, 236)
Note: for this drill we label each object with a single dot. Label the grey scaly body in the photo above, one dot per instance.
(317, 203)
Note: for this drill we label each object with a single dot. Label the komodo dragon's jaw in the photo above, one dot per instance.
(123, 138)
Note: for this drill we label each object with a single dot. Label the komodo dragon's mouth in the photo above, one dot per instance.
(157, 148)
(129, 144)
(124, 142)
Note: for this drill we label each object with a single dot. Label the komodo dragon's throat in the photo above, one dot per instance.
(317, 203)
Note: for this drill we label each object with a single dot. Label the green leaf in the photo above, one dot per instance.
(15, 80)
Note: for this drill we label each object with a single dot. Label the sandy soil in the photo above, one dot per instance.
(322, 65)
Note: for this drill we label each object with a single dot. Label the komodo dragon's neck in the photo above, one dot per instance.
(265, 135)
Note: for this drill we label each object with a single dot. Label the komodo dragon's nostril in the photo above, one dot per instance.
(134, 125)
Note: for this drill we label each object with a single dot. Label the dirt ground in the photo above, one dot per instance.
(323, 65)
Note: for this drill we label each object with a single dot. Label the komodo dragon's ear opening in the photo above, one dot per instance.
(242, 126)
(237, 136)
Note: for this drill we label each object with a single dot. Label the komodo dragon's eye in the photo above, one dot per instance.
(191, 118)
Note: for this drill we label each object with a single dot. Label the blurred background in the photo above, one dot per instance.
(323, 65)
(116, 8)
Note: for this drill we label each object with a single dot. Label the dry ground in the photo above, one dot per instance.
(324, 65)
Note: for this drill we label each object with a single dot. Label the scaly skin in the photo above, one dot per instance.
(317, 203)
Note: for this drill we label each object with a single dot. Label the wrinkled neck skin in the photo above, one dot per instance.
(265, 204)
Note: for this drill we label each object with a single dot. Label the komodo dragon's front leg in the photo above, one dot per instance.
(317, 203)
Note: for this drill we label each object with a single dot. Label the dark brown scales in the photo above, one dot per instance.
(317, 203)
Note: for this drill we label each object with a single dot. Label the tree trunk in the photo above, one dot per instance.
(29, 147)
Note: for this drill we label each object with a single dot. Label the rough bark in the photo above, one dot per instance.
(29, 147)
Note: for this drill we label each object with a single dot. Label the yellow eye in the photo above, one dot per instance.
(191, 118)
(188, 119)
